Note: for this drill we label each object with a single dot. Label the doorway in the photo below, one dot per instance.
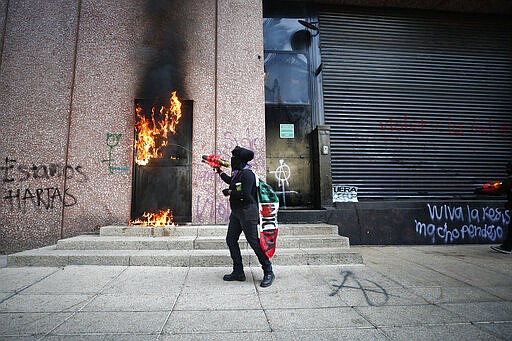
(288, 109)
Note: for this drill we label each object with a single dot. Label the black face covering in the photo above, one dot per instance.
(237, 164)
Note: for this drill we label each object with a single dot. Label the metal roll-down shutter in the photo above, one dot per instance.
(419, 103)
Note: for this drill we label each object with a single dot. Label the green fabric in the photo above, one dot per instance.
(265, 193)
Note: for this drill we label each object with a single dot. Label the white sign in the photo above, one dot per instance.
(343, 193)
(286, 131)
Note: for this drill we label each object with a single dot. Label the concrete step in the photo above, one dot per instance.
(283, 242)
(209, 230)
(51, 256)
(95, 242)
(297, 244)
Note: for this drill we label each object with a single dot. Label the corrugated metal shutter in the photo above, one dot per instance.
(419, 103)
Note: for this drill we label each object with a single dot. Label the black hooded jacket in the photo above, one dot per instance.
(245, 195)
(242, 182)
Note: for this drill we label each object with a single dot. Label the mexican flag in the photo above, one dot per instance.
(268, 204)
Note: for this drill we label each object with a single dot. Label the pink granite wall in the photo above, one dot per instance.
(101, 129)
(69, 74)
(37, 62)
(239, 105)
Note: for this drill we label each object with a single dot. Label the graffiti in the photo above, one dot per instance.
(404, 125)
(38, 197)
(419, 126)
(206, 210)
(449, 125)
(282, 174)
(202, 174)
(247, 142)
(113, 141)
(491, 128)
(254, 144)
(205, 207)
(373, 292)
(450, 224)
(47, 197)
(21, 172)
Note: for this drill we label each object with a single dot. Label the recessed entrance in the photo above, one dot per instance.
(162, 167)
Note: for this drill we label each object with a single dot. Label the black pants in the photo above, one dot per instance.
(507, 243)
(245, 220)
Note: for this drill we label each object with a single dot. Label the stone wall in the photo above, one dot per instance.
(69, 74)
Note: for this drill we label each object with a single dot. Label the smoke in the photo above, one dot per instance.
(163, 48)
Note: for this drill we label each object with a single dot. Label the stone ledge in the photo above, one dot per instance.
(88, 242)
(50, 256)
(209, 230)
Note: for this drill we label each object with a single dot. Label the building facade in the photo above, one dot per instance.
(403, 105)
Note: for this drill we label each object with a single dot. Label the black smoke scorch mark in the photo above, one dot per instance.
(162, 50)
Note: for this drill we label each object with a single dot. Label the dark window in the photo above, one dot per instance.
(286, 78)
(286, 44)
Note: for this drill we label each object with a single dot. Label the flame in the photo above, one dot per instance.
(152, 133)
(160, 218)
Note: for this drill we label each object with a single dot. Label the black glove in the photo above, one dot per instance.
(217, 170)
(226, 192)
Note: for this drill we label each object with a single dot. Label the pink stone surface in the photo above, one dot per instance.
(69, 77)
(35, 82)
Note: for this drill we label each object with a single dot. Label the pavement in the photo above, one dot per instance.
(461, 292)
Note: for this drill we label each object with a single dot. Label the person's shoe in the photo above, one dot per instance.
(267, 280)
(234, 277)
(501, 249)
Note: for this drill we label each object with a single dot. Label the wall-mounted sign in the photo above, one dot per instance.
(286, 131)
(343, 193)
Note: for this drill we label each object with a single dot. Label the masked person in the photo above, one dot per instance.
(506, 188)
(244, 215)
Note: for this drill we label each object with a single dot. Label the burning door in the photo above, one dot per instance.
(162, 174)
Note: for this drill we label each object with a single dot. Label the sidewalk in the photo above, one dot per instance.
(401, 293)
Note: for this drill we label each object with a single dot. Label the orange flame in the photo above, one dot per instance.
(152, 133)
(160, 218)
